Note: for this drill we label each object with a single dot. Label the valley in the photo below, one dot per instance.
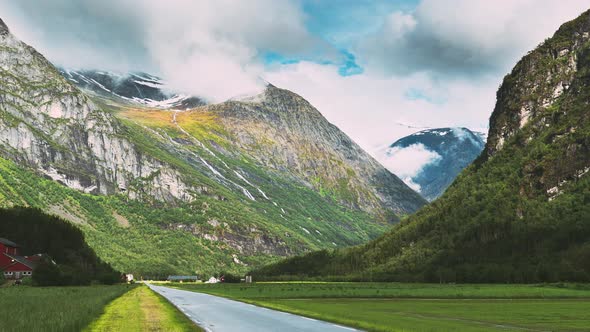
(366, 306)
(152, 178)
(420, 307)
(158, 191)
(519, 213)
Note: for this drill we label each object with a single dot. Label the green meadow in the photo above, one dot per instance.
(65, 309)
(422, 307)
(126, 308)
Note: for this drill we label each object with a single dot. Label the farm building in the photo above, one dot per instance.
(12, 265)
(182, 278)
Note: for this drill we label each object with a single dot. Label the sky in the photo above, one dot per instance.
(378, 69)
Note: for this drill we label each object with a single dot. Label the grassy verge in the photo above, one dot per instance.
(282, 290)
(54, 308)
(142, 310)
(443, 315)
(422, 307)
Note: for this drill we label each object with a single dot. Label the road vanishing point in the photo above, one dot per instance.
(217, 314)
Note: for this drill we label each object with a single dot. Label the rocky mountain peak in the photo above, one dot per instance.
(285, 132)
(3, 28)
(543, 99)
(537, 82)
(276, 92)
(282, 99)
(130, 88)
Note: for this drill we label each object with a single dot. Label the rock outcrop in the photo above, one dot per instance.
(536, 83)
(49, 125)
(3, 29)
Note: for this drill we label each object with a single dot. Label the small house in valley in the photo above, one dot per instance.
(14, 266)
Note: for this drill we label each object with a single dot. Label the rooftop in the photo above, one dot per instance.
(23, 261)
(8, 242)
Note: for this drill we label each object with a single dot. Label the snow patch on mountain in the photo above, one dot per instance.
(140, 88)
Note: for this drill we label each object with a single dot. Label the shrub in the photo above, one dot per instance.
(231, 278)
(47, 274)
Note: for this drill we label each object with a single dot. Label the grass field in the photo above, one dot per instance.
(54, 308)
(281, 290)
(422, 307)
(142, 310)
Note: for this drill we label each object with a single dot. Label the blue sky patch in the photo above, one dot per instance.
(344, 21)
(341, 23)
(418, 94)
(347, 66)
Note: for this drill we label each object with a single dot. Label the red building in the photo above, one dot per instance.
(12, 264)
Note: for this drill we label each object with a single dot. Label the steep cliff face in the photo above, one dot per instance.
(537, 82)
(283, 131)
(49, 125)
(521, 212)
(210, 187)
(543, 98)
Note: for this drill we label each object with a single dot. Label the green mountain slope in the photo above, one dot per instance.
(160, 191)
(521, 212)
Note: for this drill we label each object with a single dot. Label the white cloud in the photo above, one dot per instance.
(407, 162)
(462, 135)
(370, 107)
(464, 37)
(210, 48)
(207, 48)
(425, 52)
(438, 66)
(410, 183)
(399, 24)
(410, 160)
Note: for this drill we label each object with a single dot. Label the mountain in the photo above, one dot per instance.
(281, 130)
(161, 190)
(521, 211)
(449, 151)
(139, 88)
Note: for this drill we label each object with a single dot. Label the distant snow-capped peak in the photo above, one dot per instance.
(429, 160)
(140, 88)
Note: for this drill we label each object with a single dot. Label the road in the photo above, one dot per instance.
(217, 314)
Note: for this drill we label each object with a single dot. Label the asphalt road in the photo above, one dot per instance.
(217, 314)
